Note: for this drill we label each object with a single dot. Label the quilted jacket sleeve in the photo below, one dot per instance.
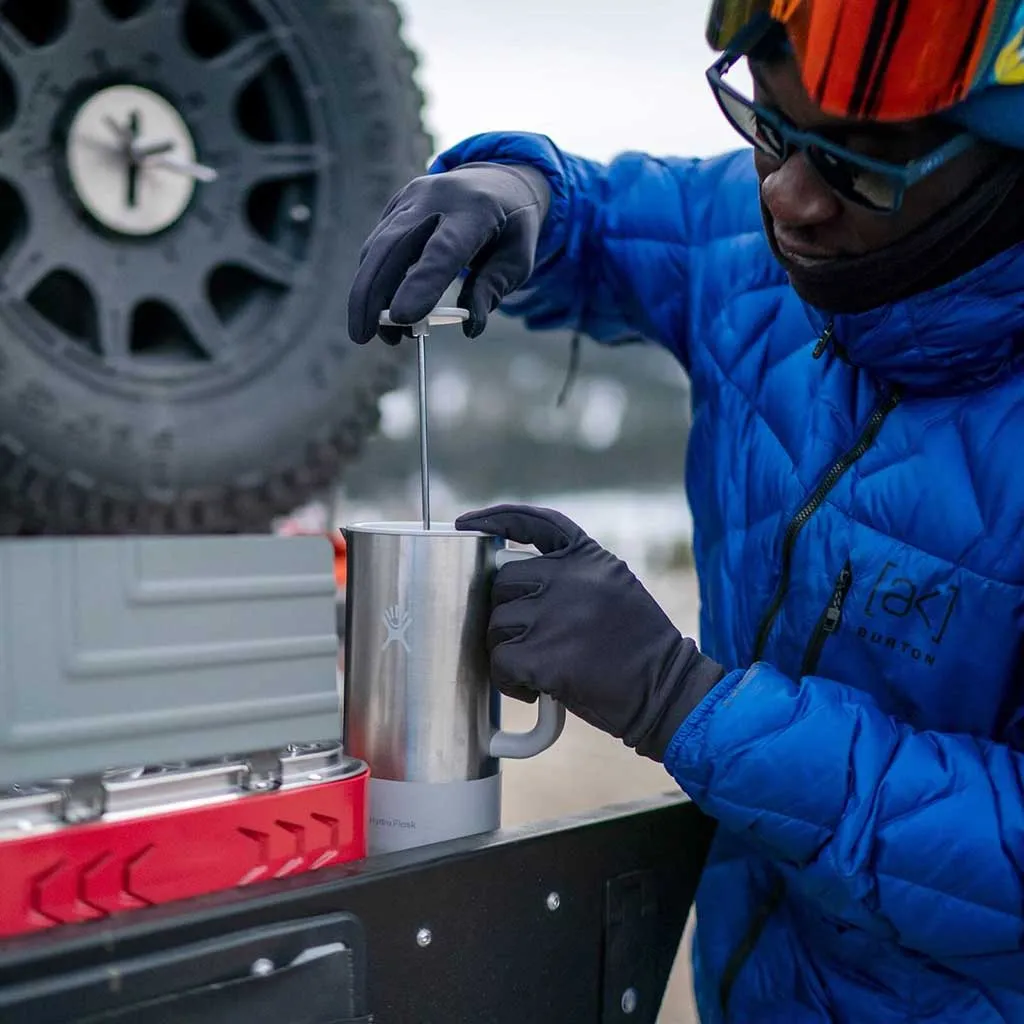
(916, 835)
(616, 258)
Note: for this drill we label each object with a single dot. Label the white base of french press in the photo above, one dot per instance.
(404, 815)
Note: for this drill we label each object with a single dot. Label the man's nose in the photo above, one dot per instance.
(797, 197)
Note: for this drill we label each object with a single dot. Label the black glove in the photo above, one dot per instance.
(486, 217)
(577, 624)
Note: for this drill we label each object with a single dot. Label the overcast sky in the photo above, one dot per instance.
(598, 76)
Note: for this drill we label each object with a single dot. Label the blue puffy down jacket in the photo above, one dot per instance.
(858, 507)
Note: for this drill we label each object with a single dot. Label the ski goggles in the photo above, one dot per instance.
(883, 61)
(877, 185)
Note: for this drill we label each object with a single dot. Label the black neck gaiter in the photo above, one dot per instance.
(985, 222)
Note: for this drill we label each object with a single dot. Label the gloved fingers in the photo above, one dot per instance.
(548, 531)
(481, 297)
(375, 248)
(520, 693)
(498, 270)
(390, 255)
(392, 335)
(512, 585)
(508, 672)
(401, 194)
(508, 624)
(452, 246)
(384, 225)
(385, 222)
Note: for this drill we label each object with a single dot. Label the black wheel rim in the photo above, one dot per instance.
(218, 291)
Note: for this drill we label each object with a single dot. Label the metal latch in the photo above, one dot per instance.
(82, 800)
(262, 772)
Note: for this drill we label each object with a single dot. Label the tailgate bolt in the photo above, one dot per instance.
(553, 902)
(630, 999)
(262, 967)
(424, 937)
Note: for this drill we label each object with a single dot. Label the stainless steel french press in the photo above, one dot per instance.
(419, 705)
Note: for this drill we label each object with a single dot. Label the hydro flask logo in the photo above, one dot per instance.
(397, 622)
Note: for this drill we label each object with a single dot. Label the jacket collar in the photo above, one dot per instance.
(962, 336)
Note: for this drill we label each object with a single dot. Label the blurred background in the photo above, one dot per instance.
(598, 78)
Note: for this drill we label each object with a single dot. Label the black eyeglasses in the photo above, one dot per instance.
(877, 185)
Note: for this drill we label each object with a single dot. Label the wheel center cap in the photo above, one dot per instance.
(131, 159)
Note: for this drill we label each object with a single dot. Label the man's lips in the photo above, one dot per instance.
(798, 250)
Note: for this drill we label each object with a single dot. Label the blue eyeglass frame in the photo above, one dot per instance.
(902, 176)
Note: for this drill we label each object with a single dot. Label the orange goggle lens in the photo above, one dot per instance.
(875, 59)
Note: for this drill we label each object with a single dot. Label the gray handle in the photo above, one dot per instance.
(550, 714)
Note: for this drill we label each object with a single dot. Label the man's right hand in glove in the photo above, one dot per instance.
(485, 217)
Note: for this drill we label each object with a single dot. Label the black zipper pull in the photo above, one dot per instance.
(834, 611)
(826, 337)
(829, 621)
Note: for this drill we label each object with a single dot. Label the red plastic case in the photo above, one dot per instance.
(61, 873)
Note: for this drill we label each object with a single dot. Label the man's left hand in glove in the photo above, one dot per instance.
(575, 623)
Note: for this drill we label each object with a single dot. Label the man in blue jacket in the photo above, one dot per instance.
(849, 304)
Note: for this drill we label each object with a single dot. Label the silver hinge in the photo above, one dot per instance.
(82, 800)
(261, 772)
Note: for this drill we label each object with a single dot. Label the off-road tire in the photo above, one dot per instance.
(94, 445)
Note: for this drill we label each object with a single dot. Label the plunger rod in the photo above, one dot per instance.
(421, 359)
(442, 315)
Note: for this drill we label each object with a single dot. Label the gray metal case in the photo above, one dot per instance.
(129, 651)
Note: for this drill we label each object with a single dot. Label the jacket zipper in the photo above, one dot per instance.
(867, 437)
(813, 503)
(829, 621)
(822, 343)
